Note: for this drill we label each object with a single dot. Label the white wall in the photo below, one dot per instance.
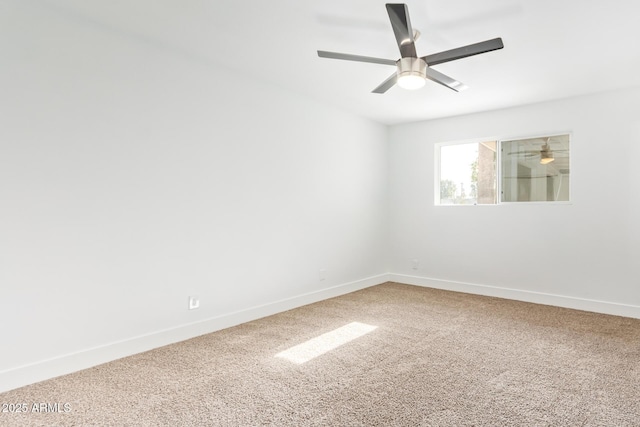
(133, 176)
(589, 248)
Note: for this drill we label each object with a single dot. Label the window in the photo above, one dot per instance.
(530, 170)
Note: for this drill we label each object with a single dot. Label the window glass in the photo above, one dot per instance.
(467, 173)
(535, 169)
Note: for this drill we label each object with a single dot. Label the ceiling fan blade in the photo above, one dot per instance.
(387, 84)
(524, 154)
(358, 58)
(463, 52)
(445, 80)
(399, 17)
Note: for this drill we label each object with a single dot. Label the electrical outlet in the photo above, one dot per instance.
(194, 302)
(415, 264)
(322, 274)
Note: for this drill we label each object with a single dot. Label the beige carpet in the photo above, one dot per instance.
(437, 358)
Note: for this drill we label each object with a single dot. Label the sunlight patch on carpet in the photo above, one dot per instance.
(324, 343)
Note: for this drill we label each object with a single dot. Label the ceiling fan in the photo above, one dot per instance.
(546, 154)
(411, 70)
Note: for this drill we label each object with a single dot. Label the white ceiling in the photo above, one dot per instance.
(553, 48)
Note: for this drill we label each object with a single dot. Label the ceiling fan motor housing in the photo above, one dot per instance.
(412, 72)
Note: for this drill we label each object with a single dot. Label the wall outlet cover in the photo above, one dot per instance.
(194, 302)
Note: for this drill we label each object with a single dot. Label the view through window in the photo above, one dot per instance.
(468, 173)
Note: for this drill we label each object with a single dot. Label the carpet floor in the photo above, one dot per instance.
(435, 358)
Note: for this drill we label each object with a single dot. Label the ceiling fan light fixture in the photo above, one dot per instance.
(412, 73)
(411, 81)
(546, 157)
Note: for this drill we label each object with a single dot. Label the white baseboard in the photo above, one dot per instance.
(65, 364)
(595, 306)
